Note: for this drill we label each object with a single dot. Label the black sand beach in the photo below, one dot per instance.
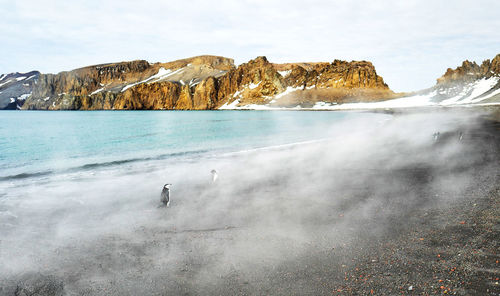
(394, 216)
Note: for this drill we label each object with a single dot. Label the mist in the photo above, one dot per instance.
(264, 227)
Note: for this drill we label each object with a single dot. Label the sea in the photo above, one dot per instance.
(37, 144)
(80, 190)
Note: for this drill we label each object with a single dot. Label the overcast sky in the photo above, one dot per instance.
(411, 43)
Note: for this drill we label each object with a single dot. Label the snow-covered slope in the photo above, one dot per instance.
(210, 82)
(15, 88)
(187, 75)
(467, 85)
(480, 92)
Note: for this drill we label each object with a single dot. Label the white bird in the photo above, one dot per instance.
(214, 175)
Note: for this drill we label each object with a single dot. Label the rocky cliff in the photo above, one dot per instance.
(126, 85)
(15, 88)
(204, 82)
(301, 84)
(470, 71)
(469, 83)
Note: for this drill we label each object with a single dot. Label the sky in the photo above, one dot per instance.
(411, 43)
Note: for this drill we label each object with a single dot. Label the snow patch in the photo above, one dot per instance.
(494, 93)
(97, 91)
(236, 94)
(253, 85)
(193, 82)
(256, 107)
(129, 86)
(23, 97)
(323, 105)
(406, 102)
(230, 106)
(287, 91)
(285, 73)
(480, 87)
(471, 92)
(162, 74)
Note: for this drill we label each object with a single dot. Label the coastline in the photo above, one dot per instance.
(278, 239)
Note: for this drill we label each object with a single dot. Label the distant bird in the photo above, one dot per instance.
(165, 194)
(214, 175)
(460, 136)
(436, 136)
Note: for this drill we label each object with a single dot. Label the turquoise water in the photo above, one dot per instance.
(36, 143)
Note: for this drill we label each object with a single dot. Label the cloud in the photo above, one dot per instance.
(410, 43)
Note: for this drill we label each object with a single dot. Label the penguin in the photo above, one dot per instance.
(436, 136)
(165, 195)
(214, 175)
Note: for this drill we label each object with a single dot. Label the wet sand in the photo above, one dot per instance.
(411, 237)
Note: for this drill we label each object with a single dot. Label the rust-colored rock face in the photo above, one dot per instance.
(339, 74)
(201, 83)
(185, 101)
(154, 96)
(470, 71)
(85, 80)
(205, 94)
(252, 82)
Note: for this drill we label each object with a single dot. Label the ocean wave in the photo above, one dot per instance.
(278, 146)
(99, 165)
(174, 155)
(26, 175)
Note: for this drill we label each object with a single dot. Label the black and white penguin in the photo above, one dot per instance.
(214, 175)
(165, 194)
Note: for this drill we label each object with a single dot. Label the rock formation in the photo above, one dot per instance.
(469, 83)
(470, 71)
(15, 88)
(204, 82)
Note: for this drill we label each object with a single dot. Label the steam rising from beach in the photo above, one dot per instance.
(270, 207)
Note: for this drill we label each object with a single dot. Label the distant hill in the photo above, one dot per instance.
(198, 83)
(15, 88)
(213, 82)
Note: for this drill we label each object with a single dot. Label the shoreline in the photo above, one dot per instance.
(385, 223)
(267, 108)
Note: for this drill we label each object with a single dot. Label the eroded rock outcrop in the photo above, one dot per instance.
(467, 84)
(15, 88)
(339, 74)
(470, 71)
(205, 82)
(252, 82)
(205, 94)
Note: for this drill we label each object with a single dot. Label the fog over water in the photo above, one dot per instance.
(279, 201)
